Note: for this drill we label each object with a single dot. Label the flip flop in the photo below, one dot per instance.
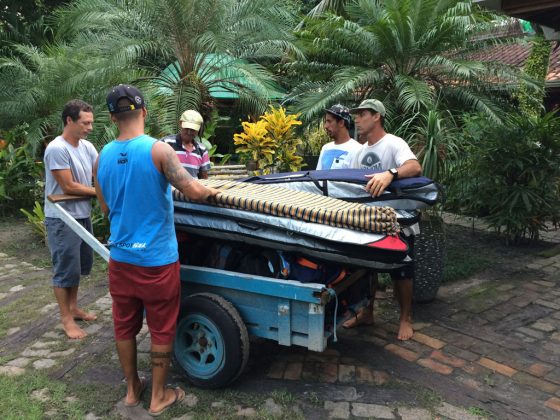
(179, 396)
(144, 383)
(357, 319)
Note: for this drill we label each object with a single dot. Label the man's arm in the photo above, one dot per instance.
(379, 182)
(166, 162)
(99, 193)
(64, 178)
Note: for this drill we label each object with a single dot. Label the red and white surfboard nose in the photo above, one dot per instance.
(390, 243)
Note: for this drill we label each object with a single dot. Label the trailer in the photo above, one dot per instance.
(220, 309)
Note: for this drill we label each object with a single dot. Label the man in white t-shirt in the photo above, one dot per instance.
(337, 124)
(392, 155)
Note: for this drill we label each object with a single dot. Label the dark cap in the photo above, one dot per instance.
(340, 111)
(124, 91)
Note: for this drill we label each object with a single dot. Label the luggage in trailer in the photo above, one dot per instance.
(295, 221)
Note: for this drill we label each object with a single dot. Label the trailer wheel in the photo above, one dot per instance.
(211, 342)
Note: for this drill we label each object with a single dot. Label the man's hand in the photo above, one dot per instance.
(212, 193)
(378, 183)
(195, 191)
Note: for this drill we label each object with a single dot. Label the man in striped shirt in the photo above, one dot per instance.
(192, 154)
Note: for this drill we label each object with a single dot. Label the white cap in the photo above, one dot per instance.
(191, 119)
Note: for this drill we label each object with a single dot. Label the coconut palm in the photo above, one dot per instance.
(411, 54)
(190, 48)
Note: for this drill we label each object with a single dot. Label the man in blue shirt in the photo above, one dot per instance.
(133, 175)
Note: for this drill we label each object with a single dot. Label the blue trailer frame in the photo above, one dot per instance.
(286, 311)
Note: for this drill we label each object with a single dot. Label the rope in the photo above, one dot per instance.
(333, 293)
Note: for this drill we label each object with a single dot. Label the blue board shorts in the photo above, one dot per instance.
(71, 256)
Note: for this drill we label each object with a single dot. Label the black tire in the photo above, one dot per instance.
(211, 343)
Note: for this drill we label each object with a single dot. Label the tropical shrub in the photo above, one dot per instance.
(182, 53)
(510, 174)
(280, 127)
(433, 138)
(271, 141)
(209, 130)
(36, 219)
(315, 137)
(255, 143)
(20, 176)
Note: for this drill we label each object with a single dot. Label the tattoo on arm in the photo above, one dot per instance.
(175, 173)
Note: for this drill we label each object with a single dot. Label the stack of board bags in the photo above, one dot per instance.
(323, 215)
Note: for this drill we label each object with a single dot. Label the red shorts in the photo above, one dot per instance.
(155, 289)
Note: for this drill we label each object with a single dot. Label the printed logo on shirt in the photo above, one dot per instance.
(333, 158)
(129, 245)
(122, 159)
(371, 161)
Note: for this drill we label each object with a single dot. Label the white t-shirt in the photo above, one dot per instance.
(60, 154)
(333, 156)
(389, 152)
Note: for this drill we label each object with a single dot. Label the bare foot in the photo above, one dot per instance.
(364, 316)
(80, 315)
(72, 330)
(405, 330)
(133, 399)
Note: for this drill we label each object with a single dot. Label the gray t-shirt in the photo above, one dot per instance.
(60, 154)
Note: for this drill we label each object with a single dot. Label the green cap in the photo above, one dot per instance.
(372, 104)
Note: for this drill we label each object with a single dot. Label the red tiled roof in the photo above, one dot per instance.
(516, 54)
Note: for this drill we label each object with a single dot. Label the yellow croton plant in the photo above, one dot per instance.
(271, 141)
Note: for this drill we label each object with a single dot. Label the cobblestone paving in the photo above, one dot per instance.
(493, 345)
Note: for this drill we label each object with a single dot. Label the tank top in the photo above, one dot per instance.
(140, 204)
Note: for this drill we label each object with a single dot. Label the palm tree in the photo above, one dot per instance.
(35, 82)
(411, 54)
(188, 48)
